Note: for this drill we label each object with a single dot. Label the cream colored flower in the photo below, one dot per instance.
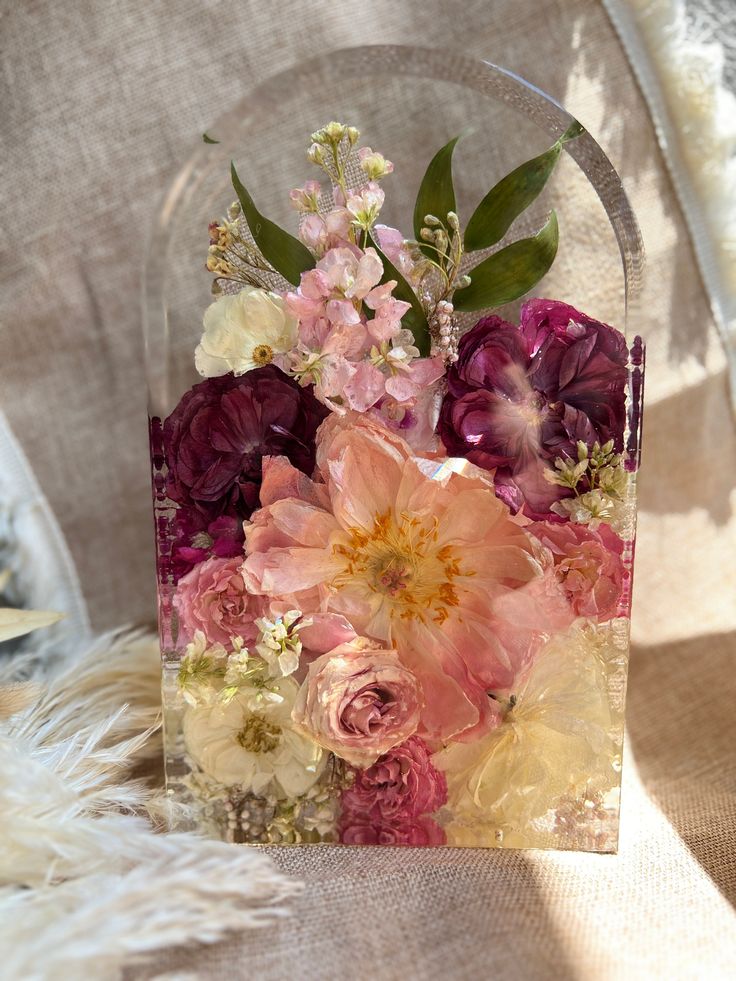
(250, 741)
(558, 735)
(244, 331)
(201, 670)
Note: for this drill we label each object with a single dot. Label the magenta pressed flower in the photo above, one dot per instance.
(198, 539)
(518, 397)
(219, 432)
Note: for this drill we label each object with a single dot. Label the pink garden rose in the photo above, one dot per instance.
(414, 832)
(402, 783)
(358, 701)
(587, 563)
(212, 598)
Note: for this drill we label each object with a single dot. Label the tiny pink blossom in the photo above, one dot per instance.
(365, 388)
(395, 247)
(365, 205)
(321, 233)
(342, 312)
(351, 272)
(306, 198)
(413, 377)
(313, 232)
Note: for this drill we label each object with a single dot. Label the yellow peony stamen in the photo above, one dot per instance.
(400, 560)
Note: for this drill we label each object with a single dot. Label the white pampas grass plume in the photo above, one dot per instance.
(85, 883)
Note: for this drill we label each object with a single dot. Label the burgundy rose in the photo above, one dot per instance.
(401, 783)
(419, 831)
(518, 397)
(221, 429)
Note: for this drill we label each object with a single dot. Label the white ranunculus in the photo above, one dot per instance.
(243, 331)
(249, 741)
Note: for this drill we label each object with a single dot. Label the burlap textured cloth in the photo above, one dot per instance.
(100, 104)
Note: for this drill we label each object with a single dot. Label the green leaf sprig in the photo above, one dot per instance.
(511, 271)
(286, 254)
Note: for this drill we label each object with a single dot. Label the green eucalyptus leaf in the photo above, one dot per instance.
(208, 139)
(436, 194)
(509, 273)
(287, 254)
(513, 194)
(414, 318)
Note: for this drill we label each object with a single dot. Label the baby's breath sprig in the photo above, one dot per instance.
(279, 643)
(231, 256)
(598, 466)
(202, 670)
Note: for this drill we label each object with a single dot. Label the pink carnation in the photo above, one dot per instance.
(213, 598)
(402, 783)
(588, 565)
(358, 702)
(415, 832)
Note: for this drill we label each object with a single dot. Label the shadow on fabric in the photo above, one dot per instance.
(682, 729)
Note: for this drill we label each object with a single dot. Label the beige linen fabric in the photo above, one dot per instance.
(101, 102)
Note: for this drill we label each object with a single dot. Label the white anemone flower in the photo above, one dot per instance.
(249, 741)
(244, 331)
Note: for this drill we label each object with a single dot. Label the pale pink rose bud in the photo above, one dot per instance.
(358, 701)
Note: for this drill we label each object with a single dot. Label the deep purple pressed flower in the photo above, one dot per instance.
(518, 397)
(216, 437)
(197, 539)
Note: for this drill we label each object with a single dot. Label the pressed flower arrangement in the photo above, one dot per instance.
(394, 528)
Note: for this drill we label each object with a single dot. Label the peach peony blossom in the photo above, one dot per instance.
(420, 557)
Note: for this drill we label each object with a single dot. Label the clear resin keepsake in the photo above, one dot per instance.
(395, 402)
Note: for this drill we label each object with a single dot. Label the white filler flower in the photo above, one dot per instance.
(250, 741)
(244, 331)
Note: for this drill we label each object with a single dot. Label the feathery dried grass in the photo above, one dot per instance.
(85, 883)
